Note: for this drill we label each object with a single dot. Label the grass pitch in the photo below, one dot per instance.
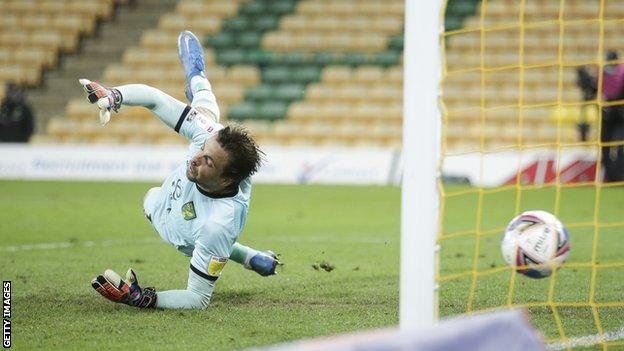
(94, 226)
(57, 236)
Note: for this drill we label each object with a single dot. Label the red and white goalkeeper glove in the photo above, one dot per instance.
(111, 286)
(107, 100)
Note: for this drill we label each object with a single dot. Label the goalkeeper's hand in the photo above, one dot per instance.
(105, 98)
(111, 286)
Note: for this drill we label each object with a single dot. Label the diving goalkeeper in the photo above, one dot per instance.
(202, 206)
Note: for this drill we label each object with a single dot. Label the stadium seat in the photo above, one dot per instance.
(272, 110)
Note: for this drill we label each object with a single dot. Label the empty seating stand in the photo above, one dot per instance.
(34, 32)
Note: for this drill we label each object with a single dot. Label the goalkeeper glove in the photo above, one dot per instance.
(106, 99)
(111, 286)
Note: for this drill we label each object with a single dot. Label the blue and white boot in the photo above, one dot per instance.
(191, 55)
(264, 263)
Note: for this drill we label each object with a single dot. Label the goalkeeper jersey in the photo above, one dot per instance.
(185, 216)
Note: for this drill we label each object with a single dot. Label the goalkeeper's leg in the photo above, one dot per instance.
(198, 89)
(261, 262)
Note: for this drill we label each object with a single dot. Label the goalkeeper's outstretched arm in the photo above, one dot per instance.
(166, 107)
(196, 296)
(113, 287)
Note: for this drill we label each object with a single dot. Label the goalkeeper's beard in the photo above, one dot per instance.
(191, 174)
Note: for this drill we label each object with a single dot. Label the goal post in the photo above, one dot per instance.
(518, 80)
(421, 140)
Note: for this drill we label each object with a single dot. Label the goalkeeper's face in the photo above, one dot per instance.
(206, 167)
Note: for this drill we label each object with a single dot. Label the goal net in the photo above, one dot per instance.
(527, 103)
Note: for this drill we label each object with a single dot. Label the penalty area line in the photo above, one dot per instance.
(587, 340)
(72, 244)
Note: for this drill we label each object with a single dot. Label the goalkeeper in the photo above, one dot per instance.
(202, 206)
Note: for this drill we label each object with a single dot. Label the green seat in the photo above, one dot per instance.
(355, 59)
(289, 92)
(264, 23)
(281, 7)
(457, 11)
(327, 58)
(246, 110)
(386, 58)
(235, 24)
(277, 59)
(396, 43)
(231, 57)
(248, 40)
(221, 40)
(306, 75)
(260, 93)
(453, 23)
(273, 110)
(252, 9)
(259, 57)
(462, 8)
(277, 74)
(296, 58)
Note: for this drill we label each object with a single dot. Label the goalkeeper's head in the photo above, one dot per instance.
(224, 161)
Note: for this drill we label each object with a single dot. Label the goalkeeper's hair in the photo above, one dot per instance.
(244, 155)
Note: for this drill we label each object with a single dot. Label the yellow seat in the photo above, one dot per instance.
(302, 111)
(53, 8)
(6, 56)
(100, 9)
(23, 6)
(327, 23)
(342, 7)
(116, 74)
(369, 74)
(394, 75)
(50, 40)
(320, 92)
(311, 8)
(174, 22)
(387, 25)
(296, 23)
(279, 41)
(61, 127)
(246, 75)
(35, 22)
(205, 25)
(337, 74)
(160, 39)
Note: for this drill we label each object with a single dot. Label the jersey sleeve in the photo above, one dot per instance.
(196, 126)
(213, 245)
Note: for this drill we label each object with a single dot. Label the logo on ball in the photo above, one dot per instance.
(535, 243)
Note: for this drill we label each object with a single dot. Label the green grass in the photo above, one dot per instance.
(354, 228)
(54, 307)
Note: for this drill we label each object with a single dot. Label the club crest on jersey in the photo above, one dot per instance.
(188, 211)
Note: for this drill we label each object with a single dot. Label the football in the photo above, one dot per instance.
(535, 243)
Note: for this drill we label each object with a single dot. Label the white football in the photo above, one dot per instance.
(535, 243)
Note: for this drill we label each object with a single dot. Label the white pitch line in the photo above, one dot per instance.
(70, 244)
(587, 340)
(111, 242)
(332, 239)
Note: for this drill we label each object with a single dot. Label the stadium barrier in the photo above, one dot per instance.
(155, 163)
(372, 166)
